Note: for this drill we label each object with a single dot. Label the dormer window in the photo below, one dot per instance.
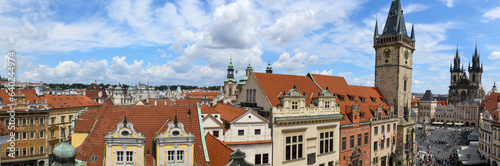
(374, 100)
(363, 100)
(294, 105)
(351, 98)
(327, 104)
(341, 98)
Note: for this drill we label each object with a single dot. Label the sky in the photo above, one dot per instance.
(190, 42)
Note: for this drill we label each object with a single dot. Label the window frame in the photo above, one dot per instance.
(290, 144)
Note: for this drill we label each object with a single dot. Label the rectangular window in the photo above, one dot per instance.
(241, 132)
(171, 155)
(119, 156)
(344, 142)
(32, 150)
(265, 158)
(388, 142)
(258, 159)
(382, 144)
(52, 120)
(375, 145)
(322, 164)
(359, 139)
(366, 138)
(254, 96)
(70, 118)
(294, 105)
(330, 163)
(32, 121)
(388, 128)
(326, 142)
(17, 152)
(404, 85)
(42, 120)
(41, 150)
(62, 119)
(63, 132)
(394, 140)
(293, 147)
(180, 155)
(25, 121)
(394, 126)
(52, 134)
(351, 142)
(129, 156)
(16, 121)
(42, 134)
(375, 130)
(257, 131)
(25, 135)
(382, 129)
(327, 104)
(25, 152)
(32, 134)
(248, 94)
(17, 135)
(216, 134)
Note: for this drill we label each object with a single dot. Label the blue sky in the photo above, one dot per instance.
(190, 41)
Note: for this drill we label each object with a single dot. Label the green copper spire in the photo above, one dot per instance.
(494, 87)
(269, 68)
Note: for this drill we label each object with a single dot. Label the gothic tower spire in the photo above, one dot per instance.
(412, 31)
(375, 34)
(395, 23)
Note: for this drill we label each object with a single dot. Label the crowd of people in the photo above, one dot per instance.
(441, 136)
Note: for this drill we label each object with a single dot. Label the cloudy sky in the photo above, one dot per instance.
(190, 41)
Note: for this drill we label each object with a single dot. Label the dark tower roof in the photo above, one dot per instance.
(375, 34)
(412, 32)
(456, 62)
(427, 96)
(269, 68)
(475, 62)
(395, 23)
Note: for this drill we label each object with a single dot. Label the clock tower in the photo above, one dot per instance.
(394, 58)
(393, 77)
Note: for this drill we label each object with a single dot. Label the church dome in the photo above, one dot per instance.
(64, 152)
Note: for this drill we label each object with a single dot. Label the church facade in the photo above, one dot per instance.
(465, 86)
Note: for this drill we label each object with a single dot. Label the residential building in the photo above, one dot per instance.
(305, 119)
(212, 122)
(494, 155)
(445, 114)
(467, 112)
(463, 88)
(142, 135)
(383, 137)
(485, 147)
(30, 132)
(427, 108)
(246, 130)
(62, 109)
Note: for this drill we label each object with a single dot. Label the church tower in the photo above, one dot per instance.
(230, 82)
(393, 59)
(475, 72)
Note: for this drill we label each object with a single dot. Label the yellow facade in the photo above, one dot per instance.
(134, 149)
(77, 138)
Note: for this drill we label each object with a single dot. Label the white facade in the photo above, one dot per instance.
(251, 134)
(445, 113)
(213, 124)
(485, 135)
(384, 138)
(313, 130)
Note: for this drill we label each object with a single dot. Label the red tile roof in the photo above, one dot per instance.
(199, 95)
(442, 102)
(208, 110)
(274, 84)
(491, 101)
(30, 94)
(171, 102)
(149, 120)
(218, 152)
(414, 102)
(229, 113)
(68, 101)
(339, 86)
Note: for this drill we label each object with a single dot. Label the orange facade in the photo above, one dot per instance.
(355, 140)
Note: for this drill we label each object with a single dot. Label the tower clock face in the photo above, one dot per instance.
(387, 53)
(407, 54)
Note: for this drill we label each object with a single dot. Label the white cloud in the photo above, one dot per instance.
(290, 27)
(324, 72)
(68, 71)
(449, 3)
(491, 14)
(416, 82)
(367, 80)
(295, 64)
(415, 8)
(494, 55)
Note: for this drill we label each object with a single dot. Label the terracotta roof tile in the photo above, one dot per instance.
(491, 102)
(442, 102)
(30, 94)
(339, 87)
(149, 120)
(208, 110)
(274, 84)
(68, 101)
(229, 113)
(218, 152)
